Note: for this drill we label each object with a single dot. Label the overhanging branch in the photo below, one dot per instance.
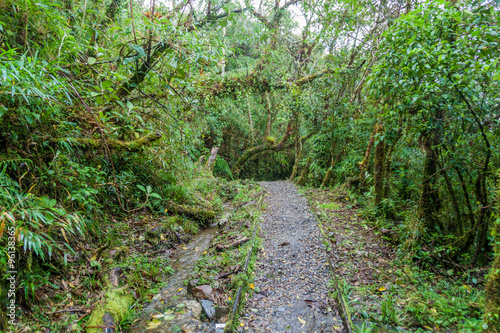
(112, 143)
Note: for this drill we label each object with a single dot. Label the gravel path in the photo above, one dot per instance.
(291, 274)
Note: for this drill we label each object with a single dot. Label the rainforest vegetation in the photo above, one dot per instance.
(116, 110)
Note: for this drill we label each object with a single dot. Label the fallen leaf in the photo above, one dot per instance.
(154, 324)
(169, 317)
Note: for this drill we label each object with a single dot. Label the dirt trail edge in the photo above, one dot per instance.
(291, 273)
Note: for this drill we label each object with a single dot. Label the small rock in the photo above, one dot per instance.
(222, 314)
(195, 309)
(203, 292)
(192, 284)
(223, 221)
(208, 308)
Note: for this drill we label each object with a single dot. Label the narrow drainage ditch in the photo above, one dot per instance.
(173, 309)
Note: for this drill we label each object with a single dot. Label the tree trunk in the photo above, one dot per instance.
(378, 168)
(429, 199)
(303, 175)
(268, 146)
(363, 165)
(388, 162)
(298, 144)
(329, 173)
(458, 226)
(211, 160)
(298, 158)
(492, 290)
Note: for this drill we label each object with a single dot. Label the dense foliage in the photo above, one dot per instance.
(107, 107)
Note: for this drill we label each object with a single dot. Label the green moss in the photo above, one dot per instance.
(117, 302)
(330, 205)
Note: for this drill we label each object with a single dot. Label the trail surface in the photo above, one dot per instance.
(291, 273)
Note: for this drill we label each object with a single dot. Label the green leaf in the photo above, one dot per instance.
(106, 84)
(91, 60)
(139, 49)
(181, 73)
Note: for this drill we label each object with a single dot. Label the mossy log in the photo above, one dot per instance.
(204, 216)
(113, 308)
(112, 143)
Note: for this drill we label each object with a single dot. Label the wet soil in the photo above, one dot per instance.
(292, 278)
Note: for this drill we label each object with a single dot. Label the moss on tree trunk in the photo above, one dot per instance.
(378, 168)
(492, 290)
(429, 199)
(303, 175)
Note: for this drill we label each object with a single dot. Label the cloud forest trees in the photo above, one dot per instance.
(438, 78)
(396, 100)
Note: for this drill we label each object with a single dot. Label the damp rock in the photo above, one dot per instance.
(203, 292)
(208, 308)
